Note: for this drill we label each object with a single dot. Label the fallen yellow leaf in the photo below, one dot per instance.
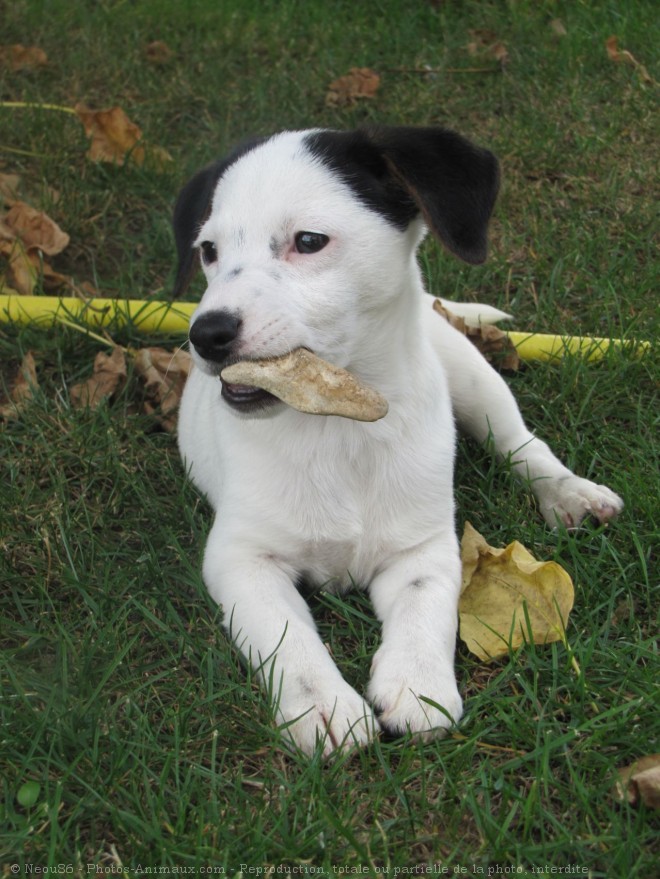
(509, 598)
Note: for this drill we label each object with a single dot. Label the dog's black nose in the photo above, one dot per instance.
(212, 334)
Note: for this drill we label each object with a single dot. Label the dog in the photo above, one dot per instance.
(309, 239)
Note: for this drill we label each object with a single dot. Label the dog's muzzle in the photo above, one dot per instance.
(214, 336)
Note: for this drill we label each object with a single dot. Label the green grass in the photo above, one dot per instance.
(120, 695)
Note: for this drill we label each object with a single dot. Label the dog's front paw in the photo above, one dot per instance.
(335, 716)
(405, 690)
(570, 499)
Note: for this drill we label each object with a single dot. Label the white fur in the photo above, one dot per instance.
(339, 501)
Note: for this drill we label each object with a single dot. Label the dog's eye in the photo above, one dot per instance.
(209, 252)
(310, 242)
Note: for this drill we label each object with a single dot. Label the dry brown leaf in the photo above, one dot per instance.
(493, 343)
(19, 57)
(558, 27)
(164, 374)
(9, 186)
(22, 389)
(35, 229)
(112, 133)
(22, 273)
(508, 597)
(357, 84)
(622, 56)
(158, 52)
(640, 782)
(107, 378)
(486, 42)
(115, 138)
(27, 267)
(500, 53)
(26, 234)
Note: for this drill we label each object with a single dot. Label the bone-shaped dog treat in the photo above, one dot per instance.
(307, 383)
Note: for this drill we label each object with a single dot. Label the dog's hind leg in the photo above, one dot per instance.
(273, 628)
(486, 409)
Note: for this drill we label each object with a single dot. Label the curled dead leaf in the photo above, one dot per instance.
(107, 379)
(22, 273)
(158, 52)
(493, 343)
(640, 782)
(357, 84)
(18, 57)
(26, 234)
(164, 374)
(27, 267)
(309, 384)
(22, 389)
(509, 598)
(112, 133)
(35, 229)
(114, 138)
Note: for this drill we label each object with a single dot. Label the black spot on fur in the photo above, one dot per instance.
(401, 172)
(360, 164)
(419, 583)
(276, 247)
(192, 210)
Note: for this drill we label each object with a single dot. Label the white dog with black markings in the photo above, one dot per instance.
(308, 239)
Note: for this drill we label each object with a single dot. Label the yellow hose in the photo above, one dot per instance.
(170, 318)
(545, 346)
(146, 317)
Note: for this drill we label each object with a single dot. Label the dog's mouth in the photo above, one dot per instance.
(245, 398)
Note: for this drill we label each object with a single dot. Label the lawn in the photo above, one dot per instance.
(132, 740)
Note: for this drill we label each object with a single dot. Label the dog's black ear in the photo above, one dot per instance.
(191, 210)
(453, 183)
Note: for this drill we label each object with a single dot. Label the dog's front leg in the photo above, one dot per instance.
(272, 626)
(485, 408)
(413, 685)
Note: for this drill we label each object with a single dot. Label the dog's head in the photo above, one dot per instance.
(306, 237)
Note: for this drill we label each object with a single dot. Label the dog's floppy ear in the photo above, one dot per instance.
(191, 210)
(453, 183)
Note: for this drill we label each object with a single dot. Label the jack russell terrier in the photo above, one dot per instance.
(308, 239)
